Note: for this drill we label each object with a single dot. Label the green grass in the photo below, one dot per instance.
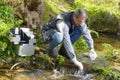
(102, 15)
(54, 7)
(108, 72)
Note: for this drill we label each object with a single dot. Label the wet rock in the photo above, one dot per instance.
(56, 75)
(116, 68)
(38, 75)
(28, 75)
(24, 77)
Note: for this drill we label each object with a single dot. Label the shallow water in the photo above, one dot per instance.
(51, 75)
(107, 38)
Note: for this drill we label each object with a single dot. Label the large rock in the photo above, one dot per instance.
(116, 68)
(30, 11)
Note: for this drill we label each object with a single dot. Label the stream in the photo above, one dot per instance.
(39, 74)
(64, 72)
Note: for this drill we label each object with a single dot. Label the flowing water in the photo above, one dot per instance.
(67, 72)
(39, 74)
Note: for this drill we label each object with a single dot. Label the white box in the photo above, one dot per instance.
(26, 50)
(16, 39)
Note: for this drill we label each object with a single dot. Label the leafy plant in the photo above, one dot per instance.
(109, 52)
(7, 21)
(102, 15)
(61, 59)
(81, 45)
(39, 39)
(94, 32)
(108, 72)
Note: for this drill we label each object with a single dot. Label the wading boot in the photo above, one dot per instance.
(63, 52)
(53, 53)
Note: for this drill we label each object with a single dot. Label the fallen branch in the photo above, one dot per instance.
(16, 64)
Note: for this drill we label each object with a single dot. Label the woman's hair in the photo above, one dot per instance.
(80, 12)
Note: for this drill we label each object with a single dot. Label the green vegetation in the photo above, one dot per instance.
(108, 72)
(54, 7)
(39, 39)
(109, 52)
(102, 15)
(57, 6)
(61, 59)
(7, 21)
(81, 45)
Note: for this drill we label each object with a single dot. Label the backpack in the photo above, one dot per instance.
(49, 29)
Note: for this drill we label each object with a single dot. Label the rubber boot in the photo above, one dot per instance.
(53, 53)
(63, 52)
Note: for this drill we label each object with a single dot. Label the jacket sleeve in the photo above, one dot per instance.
(86, 33)
(63, 28)
(68, 44)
